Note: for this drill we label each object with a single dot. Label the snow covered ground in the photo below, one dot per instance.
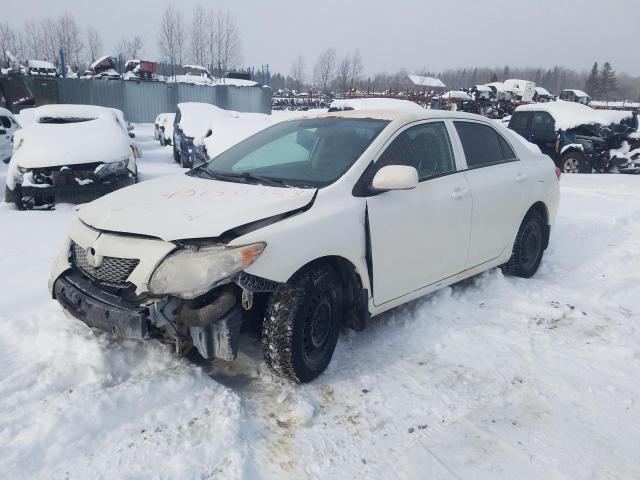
(495, 378)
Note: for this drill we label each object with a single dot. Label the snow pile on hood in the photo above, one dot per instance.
(456, 95)
(229, 131)
(571, 114)
(195, 117)
(375, 104)
(97, 139)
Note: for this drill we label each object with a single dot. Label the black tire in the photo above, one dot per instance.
(574, 162)
(528, 247)
(163, 142)
(185, 162)
(176, 155)
(302, 323)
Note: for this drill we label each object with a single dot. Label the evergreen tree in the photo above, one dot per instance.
(608, 81)
(494, 77)
(592, 85)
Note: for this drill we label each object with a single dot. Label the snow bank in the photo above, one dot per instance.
(375, 104)
(456, 95)
(571, 114)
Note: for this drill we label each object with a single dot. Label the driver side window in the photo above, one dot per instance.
(426, 147)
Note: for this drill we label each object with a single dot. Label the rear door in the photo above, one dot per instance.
(419, 236)
(500, 185)
(521, 123)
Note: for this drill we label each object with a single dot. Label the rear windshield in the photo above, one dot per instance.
(60, 120)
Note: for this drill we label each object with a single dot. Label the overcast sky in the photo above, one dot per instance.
(414, 34)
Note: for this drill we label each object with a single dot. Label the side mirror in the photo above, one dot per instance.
(395, 177)
(132, 135)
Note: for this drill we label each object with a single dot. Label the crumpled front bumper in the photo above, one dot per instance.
(70, 192)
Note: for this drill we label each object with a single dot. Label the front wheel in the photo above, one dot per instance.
(301, 325)
(528, 247)
(575, 162)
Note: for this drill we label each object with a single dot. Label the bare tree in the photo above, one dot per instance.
(356, 68)
(167, 36)
(7, 39)
(181, 38)
(323, 69)
(224, 39)
(69, 38)
(343, 74)
(198, 36)
(299, 72)
(94, 45)
(135, 47)
(33, 40)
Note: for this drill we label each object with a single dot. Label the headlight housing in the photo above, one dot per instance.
(112, 168)
(190, 273)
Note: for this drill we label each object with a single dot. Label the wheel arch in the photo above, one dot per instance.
(540, 208)
(355, 293)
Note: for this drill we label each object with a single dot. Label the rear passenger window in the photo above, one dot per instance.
(425, 147)
(520, 120)
(482, 145)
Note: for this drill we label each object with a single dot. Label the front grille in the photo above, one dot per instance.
(113, 271)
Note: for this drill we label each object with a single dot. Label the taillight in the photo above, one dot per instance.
(558, 173)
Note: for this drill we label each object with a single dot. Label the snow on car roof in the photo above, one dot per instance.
(227, 132)
(578, 93)
(541, 91)
(375, 104)
(195, 117)
(72, 111)
(571, 114)
(426, 81)
(456, 94)
(40, 64)
(5, 113)
(499, 86)
(483, 88)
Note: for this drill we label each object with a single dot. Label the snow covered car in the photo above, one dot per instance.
(8, 126)
(70, 152)
(163, 128)
(225, 129)
(307, 226)
(578, 138)
(189, 121)
(41, 68)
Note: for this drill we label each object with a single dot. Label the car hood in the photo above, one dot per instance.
(180, 207)
(51, 145)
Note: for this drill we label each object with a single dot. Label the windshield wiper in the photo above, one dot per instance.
(235, 177)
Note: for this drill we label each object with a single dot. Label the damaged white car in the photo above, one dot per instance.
(306, 227)
(72, 153)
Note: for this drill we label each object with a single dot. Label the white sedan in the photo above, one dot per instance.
(308, 226)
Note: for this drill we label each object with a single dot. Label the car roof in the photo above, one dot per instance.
(407, 116)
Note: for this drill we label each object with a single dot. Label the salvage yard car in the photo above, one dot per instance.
(580, 139)
(73, 153)
(8, 126)
(187, 124)
(308, 226)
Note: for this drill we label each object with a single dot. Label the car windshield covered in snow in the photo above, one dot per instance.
(62, 120)
(310, 152)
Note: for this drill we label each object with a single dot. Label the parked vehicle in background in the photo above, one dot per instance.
(41, 68)
(523, 90)
(225, 129)
(70, 153)
(542, 95)
(8, 126)
(104, 68)
(140, 70)
(190, 120)
(163, 128)
(578, 96)
(373, 104)
(405, 203)
(580, 139)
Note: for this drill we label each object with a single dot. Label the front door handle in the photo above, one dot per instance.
(459, 193)
(521, 177)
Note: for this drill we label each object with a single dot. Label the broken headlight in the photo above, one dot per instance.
(190, 273)
(112, 168)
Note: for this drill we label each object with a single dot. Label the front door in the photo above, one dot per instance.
(419, 236)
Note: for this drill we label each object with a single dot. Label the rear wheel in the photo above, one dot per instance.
(302, 323)
(176, 155)
(575, 162)
(528, 247)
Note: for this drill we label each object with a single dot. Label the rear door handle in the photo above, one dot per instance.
(521, 177)
(459, 193)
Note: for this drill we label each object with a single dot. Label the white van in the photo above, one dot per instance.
(523, 90)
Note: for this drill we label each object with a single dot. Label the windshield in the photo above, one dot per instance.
(300, 153)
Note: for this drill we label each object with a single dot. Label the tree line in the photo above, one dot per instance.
(212, 38)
